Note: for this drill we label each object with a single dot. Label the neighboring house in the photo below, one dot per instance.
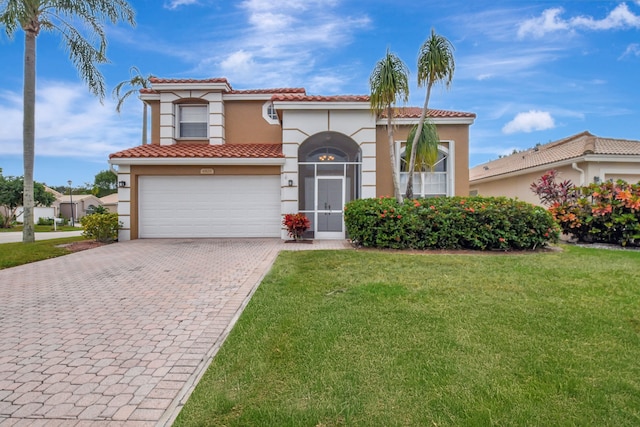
(583, 158)
(231, 163)
(39, 212)
(110, 202)
(81, 204)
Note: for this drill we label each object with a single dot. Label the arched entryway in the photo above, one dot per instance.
(329, 169)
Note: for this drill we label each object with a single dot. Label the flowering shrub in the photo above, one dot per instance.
(607, 212)
(550, 192)
(480, 223)
(296, 225)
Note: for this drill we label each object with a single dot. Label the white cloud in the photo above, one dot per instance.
(632, 50)
(281, 42)
(550, 21)
(530, 121)
(174, 4)
(70, 122)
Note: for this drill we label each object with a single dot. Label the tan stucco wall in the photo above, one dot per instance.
(244, 124)
(187, 170)
(457, 133)
(518, 186)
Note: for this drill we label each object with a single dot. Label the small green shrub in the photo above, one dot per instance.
(45, 221)
(478, 223)
(101, 227)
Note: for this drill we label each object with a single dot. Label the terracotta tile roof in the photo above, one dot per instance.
(290, 90)
(213, 80)
(317, 98)
(244, 151)
(414, 113)
(299, 90)
(572, 147)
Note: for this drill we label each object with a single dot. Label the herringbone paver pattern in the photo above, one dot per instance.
(120, 335)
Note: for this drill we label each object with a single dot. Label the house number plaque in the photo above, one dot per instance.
(206, 171)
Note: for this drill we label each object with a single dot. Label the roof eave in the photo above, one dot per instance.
(407, 121)
(233, 161)
(602, 158)
(541, 168)
(216, 86)
(321, 105)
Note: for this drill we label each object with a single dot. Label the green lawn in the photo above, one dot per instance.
(14, 254)
(41, 228)
(386, 339)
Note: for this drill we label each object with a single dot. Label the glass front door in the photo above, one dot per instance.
(329, 204)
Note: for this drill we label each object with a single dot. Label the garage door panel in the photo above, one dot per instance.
(211, 206)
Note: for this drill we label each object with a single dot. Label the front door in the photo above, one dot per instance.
(329, 204)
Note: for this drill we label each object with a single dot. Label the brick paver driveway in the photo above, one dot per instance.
(119, 335)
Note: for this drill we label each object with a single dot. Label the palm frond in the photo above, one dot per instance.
(389, 81)
(435, 61)
(427, 147)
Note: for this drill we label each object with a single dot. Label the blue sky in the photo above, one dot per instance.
(533, 72)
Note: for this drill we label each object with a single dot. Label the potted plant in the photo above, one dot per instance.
(296, 225)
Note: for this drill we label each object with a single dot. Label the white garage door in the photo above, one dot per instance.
(209, 206)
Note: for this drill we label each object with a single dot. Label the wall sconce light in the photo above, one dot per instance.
(290, 182)
(122, 184)
(596, 179)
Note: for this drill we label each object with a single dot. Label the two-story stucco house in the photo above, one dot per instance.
(230, 163)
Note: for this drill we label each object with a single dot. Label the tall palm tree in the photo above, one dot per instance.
(135, 83)
(427, 147)
(389, 81)
(435, 64)
(58, 16)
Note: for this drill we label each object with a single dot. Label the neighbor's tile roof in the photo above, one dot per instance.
(564, 149)
(245, 151)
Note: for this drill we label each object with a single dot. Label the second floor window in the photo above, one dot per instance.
(193, 121)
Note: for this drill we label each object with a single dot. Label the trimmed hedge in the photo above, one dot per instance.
(478, 223)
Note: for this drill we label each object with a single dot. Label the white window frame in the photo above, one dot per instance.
(180, 121)
(269, 113)
(449, 152)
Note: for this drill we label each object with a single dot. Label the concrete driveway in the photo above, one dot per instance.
(120, 335)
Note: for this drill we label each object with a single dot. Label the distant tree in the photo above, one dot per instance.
(389, 81)
(105, 183)
(435, 64)
(135, 83)
(11, 195)
(58, 16)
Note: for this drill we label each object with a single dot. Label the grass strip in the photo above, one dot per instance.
(14, 254)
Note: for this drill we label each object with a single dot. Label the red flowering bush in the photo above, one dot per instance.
(551, 192)
(608, 212)
(296, 225)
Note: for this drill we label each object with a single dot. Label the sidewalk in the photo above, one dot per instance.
(16, 236)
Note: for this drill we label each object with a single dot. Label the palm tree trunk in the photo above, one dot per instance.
(414, 144)
(392, 156)
(28, 133)
(144, 123)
